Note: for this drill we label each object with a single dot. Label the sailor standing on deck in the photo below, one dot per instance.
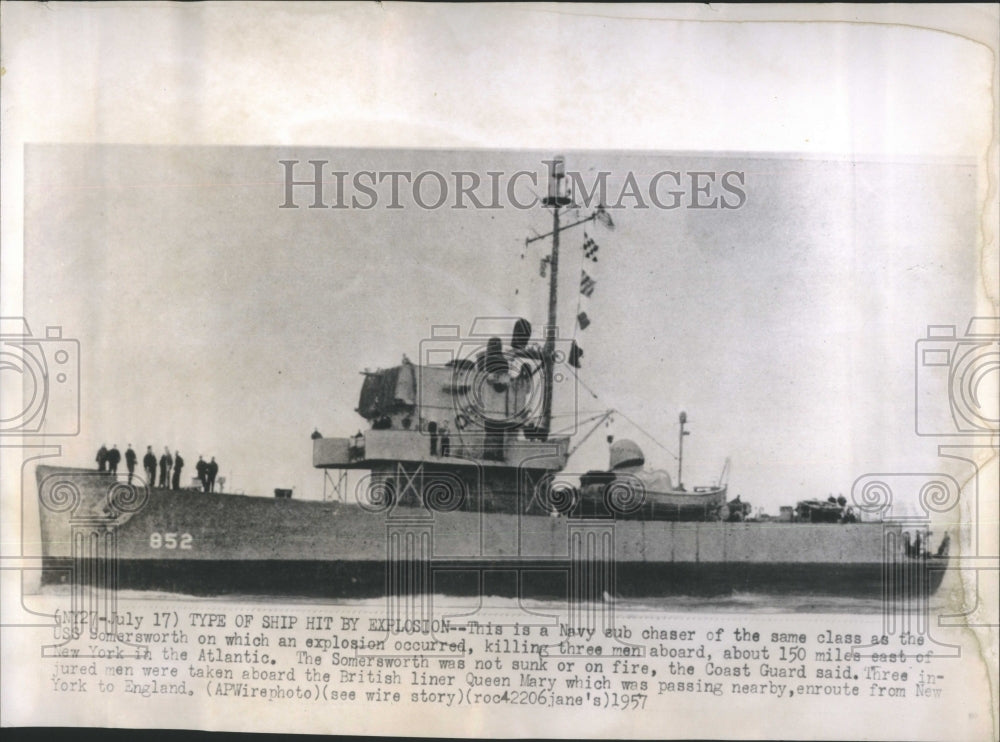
(149, 462)
(166, 462)
(178, 465)
(130, 462)
(432, 428)
(114, 456)
(201, 468)
(211, 471)
(102, 457)
(445, 440)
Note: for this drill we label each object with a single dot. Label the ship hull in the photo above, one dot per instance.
(356, 579)
(95, 529)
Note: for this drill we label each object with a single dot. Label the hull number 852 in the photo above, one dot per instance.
(170, 540)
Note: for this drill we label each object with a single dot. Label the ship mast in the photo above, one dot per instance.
(556, 199)
(680, 450)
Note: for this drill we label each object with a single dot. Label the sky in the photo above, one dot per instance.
(142, 185)
(217, 323)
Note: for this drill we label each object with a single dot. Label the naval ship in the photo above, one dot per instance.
(461, 490)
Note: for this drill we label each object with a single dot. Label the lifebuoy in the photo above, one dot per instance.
(461, 421)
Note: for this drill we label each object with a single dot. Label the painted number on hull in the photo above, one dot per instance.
(170, 540)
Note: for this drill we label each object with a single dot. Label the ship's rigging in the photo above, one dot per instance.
(470, 425)
(559, 199)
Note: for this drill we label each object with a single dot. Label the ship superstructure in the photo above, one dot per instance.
(479, 421)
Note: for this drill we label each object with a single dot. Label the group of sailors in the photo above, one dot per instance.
(170, 467)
